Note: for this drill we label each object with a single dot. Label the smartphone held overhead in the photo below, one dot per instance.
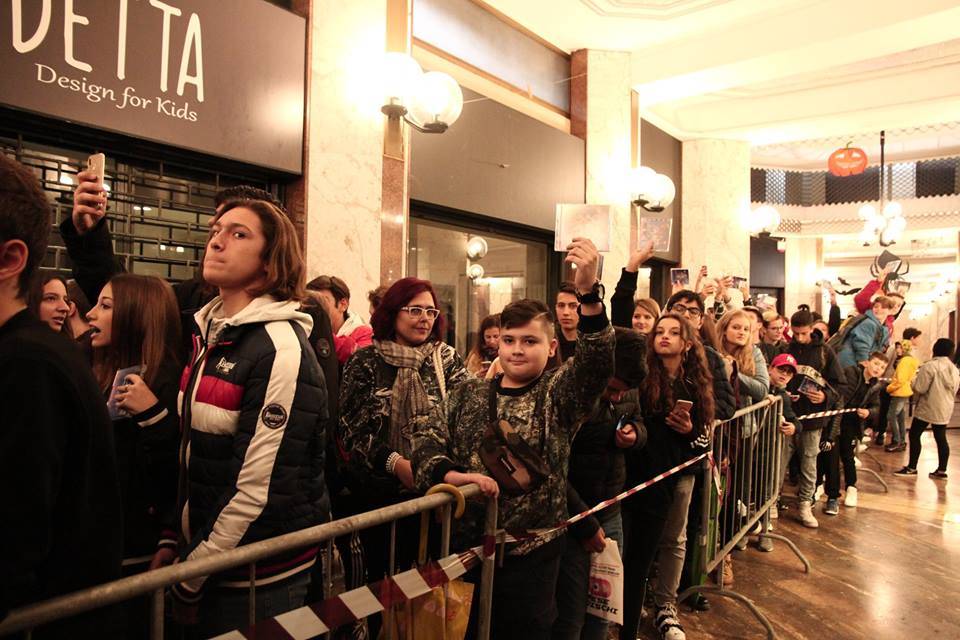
(680, 277)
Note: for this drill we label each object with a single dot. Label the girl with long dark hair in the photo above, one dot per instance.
(677, 374)
(48, 300)
(487, 346)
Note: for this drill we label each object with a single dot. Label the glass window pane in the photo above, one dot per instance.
(512, 269)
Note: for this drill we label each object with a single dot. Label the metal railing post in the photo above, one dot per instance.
(252, 604)
(156, 615)
(486, 575)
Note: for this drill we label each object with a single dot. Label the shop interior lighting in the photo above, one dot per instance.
(475, 272)
(429, 102)
(653, 191)
(477, 248)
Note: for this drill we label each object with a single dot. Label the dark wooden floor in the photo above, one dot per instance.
(888, 569)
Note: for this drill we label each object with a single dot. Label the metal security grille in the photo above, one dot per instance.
(809, 188)
(158, 212)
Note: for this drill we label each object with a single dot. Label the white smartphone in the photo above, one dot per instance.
(97, 164)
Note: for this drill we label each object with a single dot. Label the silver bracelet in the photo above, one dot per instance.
(392, 461)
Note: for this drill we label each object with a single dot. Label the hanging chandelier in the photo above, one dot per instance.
(888, 225)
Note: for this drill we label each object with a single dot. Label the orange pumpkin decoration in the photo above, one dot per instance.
(848, 161)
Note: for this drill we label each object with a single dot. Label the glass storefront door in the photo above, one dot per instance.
(470, 289)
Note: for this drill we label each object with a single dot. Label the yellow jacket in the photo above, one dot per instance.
(906, 369)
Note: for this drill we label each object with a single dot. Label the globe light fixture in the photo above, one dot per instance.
(764, 221)
(477, 248)
(429, 102)
(886, 227)
(651, 190)
(475, 271)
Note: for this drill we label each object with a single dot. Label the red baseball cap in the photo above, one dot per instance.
(785, 360)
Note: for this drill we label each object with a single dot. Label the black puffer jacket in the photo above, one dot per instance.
(253, 406)
(724, 400)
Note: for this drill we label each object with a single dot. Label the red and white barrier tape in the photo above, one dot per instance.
(315, 619)
(825, 414)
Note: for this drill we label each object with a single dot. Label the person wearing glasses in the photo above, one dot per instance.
(405, 373)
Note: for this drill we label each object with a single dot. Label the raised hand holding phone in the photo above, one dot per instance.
(90, 198)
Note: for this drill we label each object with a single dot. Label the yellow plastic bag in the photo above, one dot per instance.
(434, 615)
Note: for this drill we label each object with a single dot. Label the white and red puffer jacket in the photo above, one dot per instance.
(252, 406)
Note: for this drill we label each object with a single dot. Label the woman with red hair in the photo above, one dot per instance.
(386, 386)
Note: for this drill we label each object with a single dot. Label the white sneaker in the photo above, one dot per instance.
(850, 499)
(806, 515)
(857, 463)
(668, 624)
(861, 447)
(818, 493)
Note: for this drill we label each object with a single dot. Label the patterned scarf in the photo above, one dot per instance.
(409, 397)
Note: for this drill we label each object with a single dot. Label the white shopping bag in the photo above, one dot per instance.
(605, 590)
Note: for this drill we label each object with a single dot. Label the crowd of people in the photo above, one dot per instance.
(158, 424)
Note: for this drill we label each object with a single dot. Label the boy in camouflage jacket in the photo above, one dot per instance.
(447, 443)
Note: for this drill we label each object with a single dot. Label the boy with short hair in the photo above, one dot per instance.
(869, 334)
(565, 307)
(58, 478)
(817, 387)
(863, 394)
(781, 371)
(545, 410)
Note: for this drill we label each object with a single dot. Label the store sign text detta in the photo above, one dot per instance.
(171, 70)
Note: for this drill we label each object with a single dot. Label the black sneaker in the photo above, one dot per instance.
(906, 471)
(938, 475)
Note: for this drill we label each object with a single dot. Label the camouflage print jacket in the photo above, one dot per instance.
(364, 433)
(450, 437)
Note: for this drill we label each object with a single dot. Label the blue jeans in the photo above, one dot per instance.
(897, 420)
(223, 609)
(573, 622)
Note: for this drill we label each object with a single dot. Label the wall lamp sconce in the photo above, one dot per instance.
(653, 191)
(764, 221)
(429, 102)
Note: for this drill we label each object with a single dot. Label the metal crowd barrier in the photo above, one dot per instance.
(740, 487)
(155, 582)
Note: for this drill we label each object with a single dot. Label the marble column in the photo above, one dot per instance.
(602, 114)
(345, 142)
(716, 202)
(803, 262)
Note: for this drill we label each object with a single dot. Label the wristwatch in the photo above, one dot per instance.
(593, 296)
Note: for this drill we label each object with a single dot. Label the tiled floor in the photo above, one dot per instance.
(888, 569)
